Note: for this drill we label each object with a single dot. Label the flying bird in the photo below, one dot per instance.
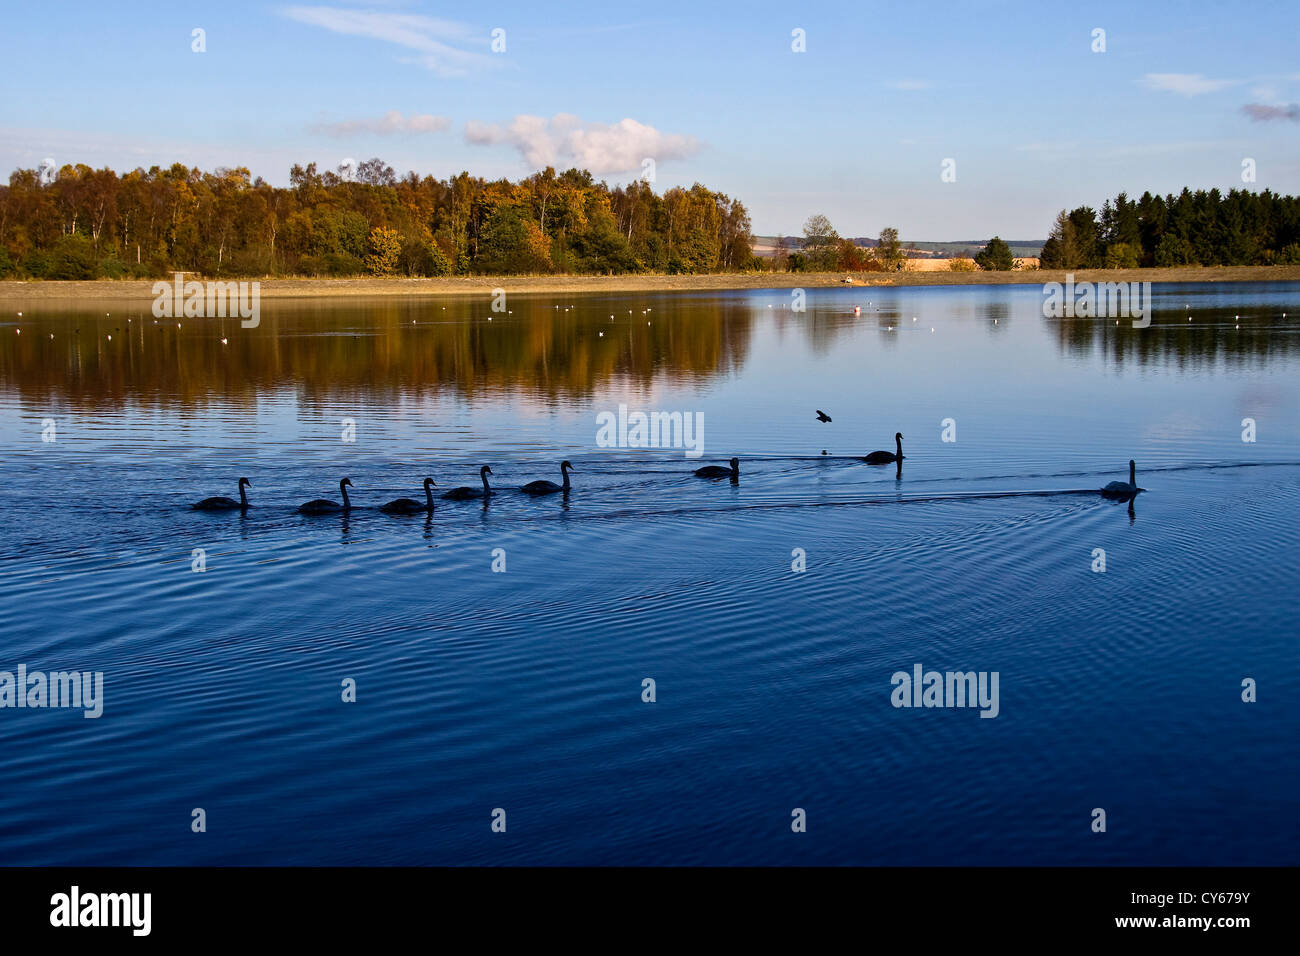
(822, 416)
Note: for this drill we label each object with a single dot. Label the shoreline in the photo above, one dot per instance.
(142, 289)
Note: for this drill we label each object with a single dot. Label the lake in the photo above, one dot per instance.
(225, 639)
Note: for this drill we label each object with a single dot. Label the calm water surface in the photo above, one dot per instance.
(522, 690)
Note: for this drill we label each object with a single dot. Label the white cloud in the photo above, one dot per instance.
(437, 43)
(1188, 84)
(599, 147)
(389, 124)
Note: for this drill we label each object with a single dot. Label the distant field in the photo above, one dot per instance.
(483, 285)
(765, 247)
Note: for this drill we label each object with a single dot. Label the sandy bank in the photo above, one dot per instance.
(141, 289)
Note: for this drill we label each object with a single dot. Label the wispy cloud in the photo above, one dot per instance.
(1187, 84)
(1263, 113)
(440, 45)
(390, 124)
(602, 148)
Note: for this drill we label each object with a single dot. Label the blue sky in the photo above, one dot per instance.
(857, 127)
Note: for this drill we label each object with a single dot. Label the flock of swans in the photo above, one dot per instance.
(1118, 490)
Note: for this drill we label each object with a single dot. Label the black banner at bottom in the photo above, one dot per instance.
(335, 905)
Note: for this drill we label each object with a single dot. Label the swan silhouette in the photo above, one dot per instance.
(409, 506)
(549, 487)
(320, 506)
(885, 457)
(1123, 490)
(225, 504)
(717, 471)
(464, 494)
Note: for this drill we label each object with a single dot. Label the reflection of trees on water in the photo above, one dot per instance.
(333, 351)
(342, 351)
(1209, 339)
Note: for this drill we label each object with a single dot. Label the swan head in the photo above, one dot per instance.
(484, 471)
(566, 465)
(898, 436)
(735, 464)
(346, 481)
(429, 482)
(245, 482)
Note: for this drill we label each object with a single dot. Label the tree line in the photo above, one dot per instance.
(822, 249)
(1204, 228)
(84, 223)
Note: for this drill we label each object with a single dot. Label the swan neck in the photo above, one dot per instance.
(344, 488)
(428, 496)
(243, 495)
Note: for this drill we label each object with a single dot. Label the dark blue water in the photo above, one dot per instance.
(522, 689)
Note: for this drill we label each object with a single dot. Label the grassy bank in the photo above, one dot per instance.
(132, 290)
